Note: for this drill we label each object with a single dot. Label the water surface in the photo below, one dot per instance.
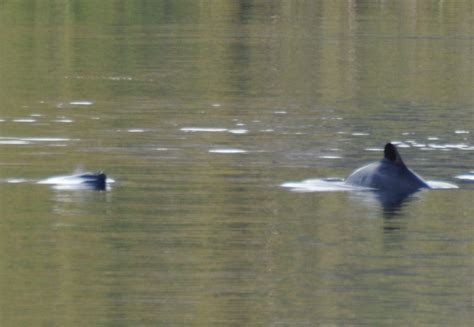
(200, 111)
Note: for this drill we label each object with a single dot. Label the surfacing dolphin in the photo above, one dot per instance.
(388, 175)
(95, 181)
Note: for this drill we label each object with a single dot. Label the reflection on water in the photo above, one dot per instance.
(201, 110)
(391, 203)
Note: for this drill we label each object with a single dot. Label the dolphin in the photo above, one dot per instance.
(388, 175)
(95, 181)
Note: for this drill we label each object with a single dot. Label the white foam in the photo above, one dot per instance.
(338, 185)
(461, 131)
(439, 185)
(72, 180)
(136, 130)
(30, 140)
(374, 149)
(466, 177)
(321, 185)
(400, 144)
(459, 146)
(238, 131)
(227, 151)
(436, 146)
(24, 120)
(203, 129)
(419, 145)
(45, 139)
(63, 120)
(16, 180)
(13, 142)
(81, 103)
(213, 130)
(62, 180)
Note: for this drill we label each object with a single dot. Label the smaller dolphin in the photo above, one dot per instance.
(95, 181)
(388, 175)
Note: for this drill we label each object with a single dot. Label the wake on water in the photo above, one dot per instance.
(339, 185)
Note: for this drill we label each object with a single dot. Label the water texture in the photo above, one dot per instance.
(200, 111)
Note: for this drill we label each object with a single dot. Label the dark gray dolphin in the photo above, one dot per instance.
(388, 175)
(95, 181)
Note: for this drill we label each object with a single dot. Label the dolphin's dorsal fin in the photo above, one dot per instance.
(391, 154)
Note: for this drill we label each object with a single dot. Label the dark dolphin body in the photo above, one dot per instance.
(389, 175)
(96, 181)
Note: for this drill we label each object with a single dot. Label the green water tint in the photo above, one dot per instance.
(200, 110)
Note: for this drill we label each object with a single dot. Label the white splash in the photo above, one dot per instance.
(203, 129)
(321, 185)
(13, 142)
(71, 182)
(338, 185)
(213, 130)
(374, 149)
(30, 140)
(466, 177)
(227, 151)
(16, 180)
(400, 144)
(81, 103)
(238, 131)
(24, 120)
(459, 146)
(62, 180)
(45, 139)
(439, 185)
(416, 144)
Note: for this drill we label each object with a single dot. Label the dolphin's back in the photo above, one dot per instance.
(386, 175)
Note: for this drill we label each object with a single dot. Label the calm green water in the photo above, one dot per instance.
(200, 110)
